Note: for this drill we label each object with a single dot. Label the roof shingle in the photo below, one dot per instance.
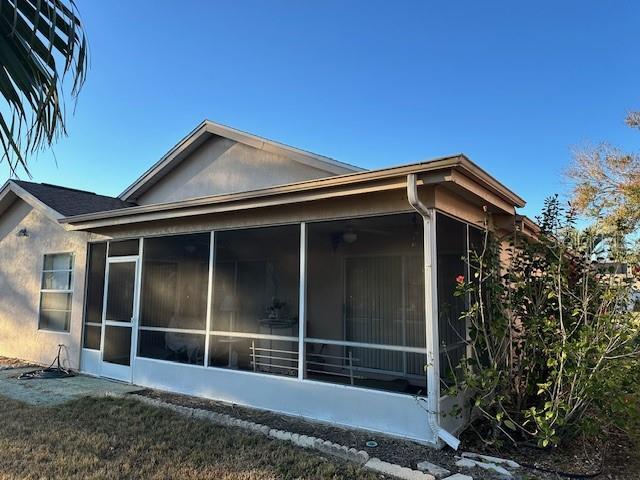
(68, 201)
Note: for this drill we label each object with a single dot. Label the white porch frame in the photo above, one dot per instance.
(404, 415)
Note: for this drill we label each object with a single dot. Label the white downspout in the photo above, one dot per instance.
(431, 313)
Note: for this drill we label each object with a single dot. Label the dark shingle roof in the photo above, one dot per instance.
(69, 201)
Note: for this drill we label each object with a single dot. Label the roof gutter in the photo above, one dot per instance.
(431, 313)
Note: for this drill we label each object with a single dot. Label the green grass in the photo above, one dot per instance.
(108, 438)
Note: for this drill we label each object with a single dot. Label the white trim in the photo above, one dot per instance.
(207, 327)
(119, 323)
(302, 302)
(431, 301)
(58, 332)
(137, 304)
(375, 346)
(124, 258)
(172, 330)
(104, 300)
(431, 310)
(261, 336)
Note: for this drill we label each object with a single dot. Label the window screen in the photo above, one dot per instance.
(95, 295)
(123, 248)
(451, 244)
(365, 303)
(175, 280)
(255, 300)
(56, 292)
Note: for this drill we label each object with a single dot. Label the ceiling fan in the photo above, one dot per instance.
(350, 235)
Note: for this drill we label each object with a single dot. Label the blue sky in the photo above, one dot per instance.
(514, 85)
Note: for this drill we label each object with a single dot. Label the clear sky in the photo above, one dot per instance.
(514, 85)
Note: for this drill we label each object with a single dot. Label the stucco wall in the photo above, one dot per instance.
(223, 166)
(21, 261)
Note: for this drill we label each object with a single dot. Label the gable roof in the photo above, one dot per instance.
(56, 201)
(208, 129)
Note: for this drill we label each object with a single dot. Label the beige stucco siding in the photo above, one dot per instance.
(21, 261)
(222, 166)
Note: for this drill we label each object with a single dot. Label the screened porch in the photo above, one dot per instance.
(338, 302)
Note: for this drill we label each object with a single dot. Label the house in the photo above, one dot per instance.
(244, 270)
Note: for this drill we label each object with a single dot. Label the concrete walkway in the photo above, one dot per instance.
(57, 391)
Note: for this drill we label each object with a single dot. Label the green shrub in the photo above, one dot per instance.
(553, 341)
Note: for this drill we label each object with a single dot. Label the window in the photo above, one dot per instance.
(254, 318)
(56, 291)
(365, 303)
(173, 310)
(95, 295)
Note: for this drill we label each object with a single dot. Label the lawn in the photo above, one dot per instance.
(115, 438)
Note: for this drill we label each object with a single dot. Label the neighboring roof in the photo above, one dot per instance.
(59, 201)
(457, 171)
(208, 129)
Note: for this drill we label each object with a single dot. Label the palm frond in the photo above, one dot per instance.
(42, 44)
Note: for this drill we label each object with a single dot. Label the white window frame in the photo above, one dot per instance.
(68, 291)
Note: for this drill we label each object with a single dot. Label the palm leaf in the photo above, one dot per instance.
(42, 43)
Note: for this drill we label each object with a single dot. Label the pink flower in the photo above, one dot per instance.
(460, 279)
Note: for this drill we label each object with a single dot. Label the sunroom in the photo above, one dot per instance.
(339, 309)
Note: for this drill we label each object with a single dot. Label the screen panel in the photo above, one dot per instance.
(175, 279)
(120, 291)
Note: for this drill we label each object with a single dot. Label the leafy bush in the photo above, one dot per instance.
(552, 339)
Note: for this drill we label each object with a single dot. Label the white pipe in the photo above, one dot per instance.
(431, 313)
